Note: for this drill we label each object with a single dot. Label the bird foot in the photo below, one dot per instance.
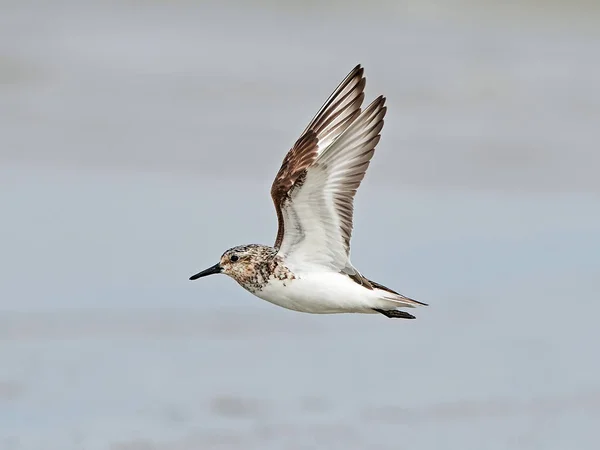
(394, 313)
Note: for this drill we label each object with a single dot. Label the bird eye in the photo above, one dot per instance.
(234, 258)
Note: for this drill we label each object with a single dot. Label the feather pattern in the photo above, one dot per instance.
(317, 215)
(335, 116)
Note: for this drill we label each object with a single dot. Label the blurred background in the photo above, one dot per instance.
(138, 141)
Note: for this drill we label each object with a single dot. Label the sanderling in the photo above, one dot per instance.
(309, 269)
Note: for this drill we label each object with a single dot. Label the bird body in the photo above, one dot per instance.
(308, 269)
(326, 293)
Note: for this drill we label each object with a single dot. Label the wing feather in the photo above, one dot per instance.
(318, 213)
(335, 116)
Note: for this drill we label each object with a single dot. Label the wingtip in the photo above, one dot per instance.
(416, 302)
(376, 105)
(420, 303)
(358, 71)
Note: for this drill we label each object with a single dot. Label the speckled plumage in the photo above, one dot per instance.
(257, 265)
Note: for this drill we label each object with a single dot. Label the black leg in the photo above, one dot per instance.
(392, 313)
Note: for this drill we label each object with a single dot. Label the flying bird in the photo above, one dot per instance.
(308, 269)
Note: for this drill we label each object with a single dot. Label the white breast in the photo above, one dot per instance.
(323, 293)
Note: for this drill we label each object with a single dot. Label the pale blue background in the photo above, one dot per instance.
(138, 141)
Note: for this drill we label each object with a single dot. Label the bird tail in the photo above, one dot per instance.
(396, 297)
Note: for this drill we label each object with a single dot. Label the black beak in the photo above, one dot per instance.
(211, 270)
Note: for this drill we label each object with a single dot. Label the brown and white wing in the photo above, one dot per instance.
(317, 210)
(335, 116)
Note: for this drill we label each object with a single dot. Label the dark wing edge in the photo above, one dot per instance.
(360, 279)
(291, 174)
(341, 108)
(333, 118)
(383, 288)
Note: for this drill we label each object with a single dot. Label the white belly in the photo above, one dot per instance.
(323, 293)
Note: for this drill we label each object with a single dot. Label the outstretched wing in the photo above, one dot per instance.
(315, 203)
(335, 116)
